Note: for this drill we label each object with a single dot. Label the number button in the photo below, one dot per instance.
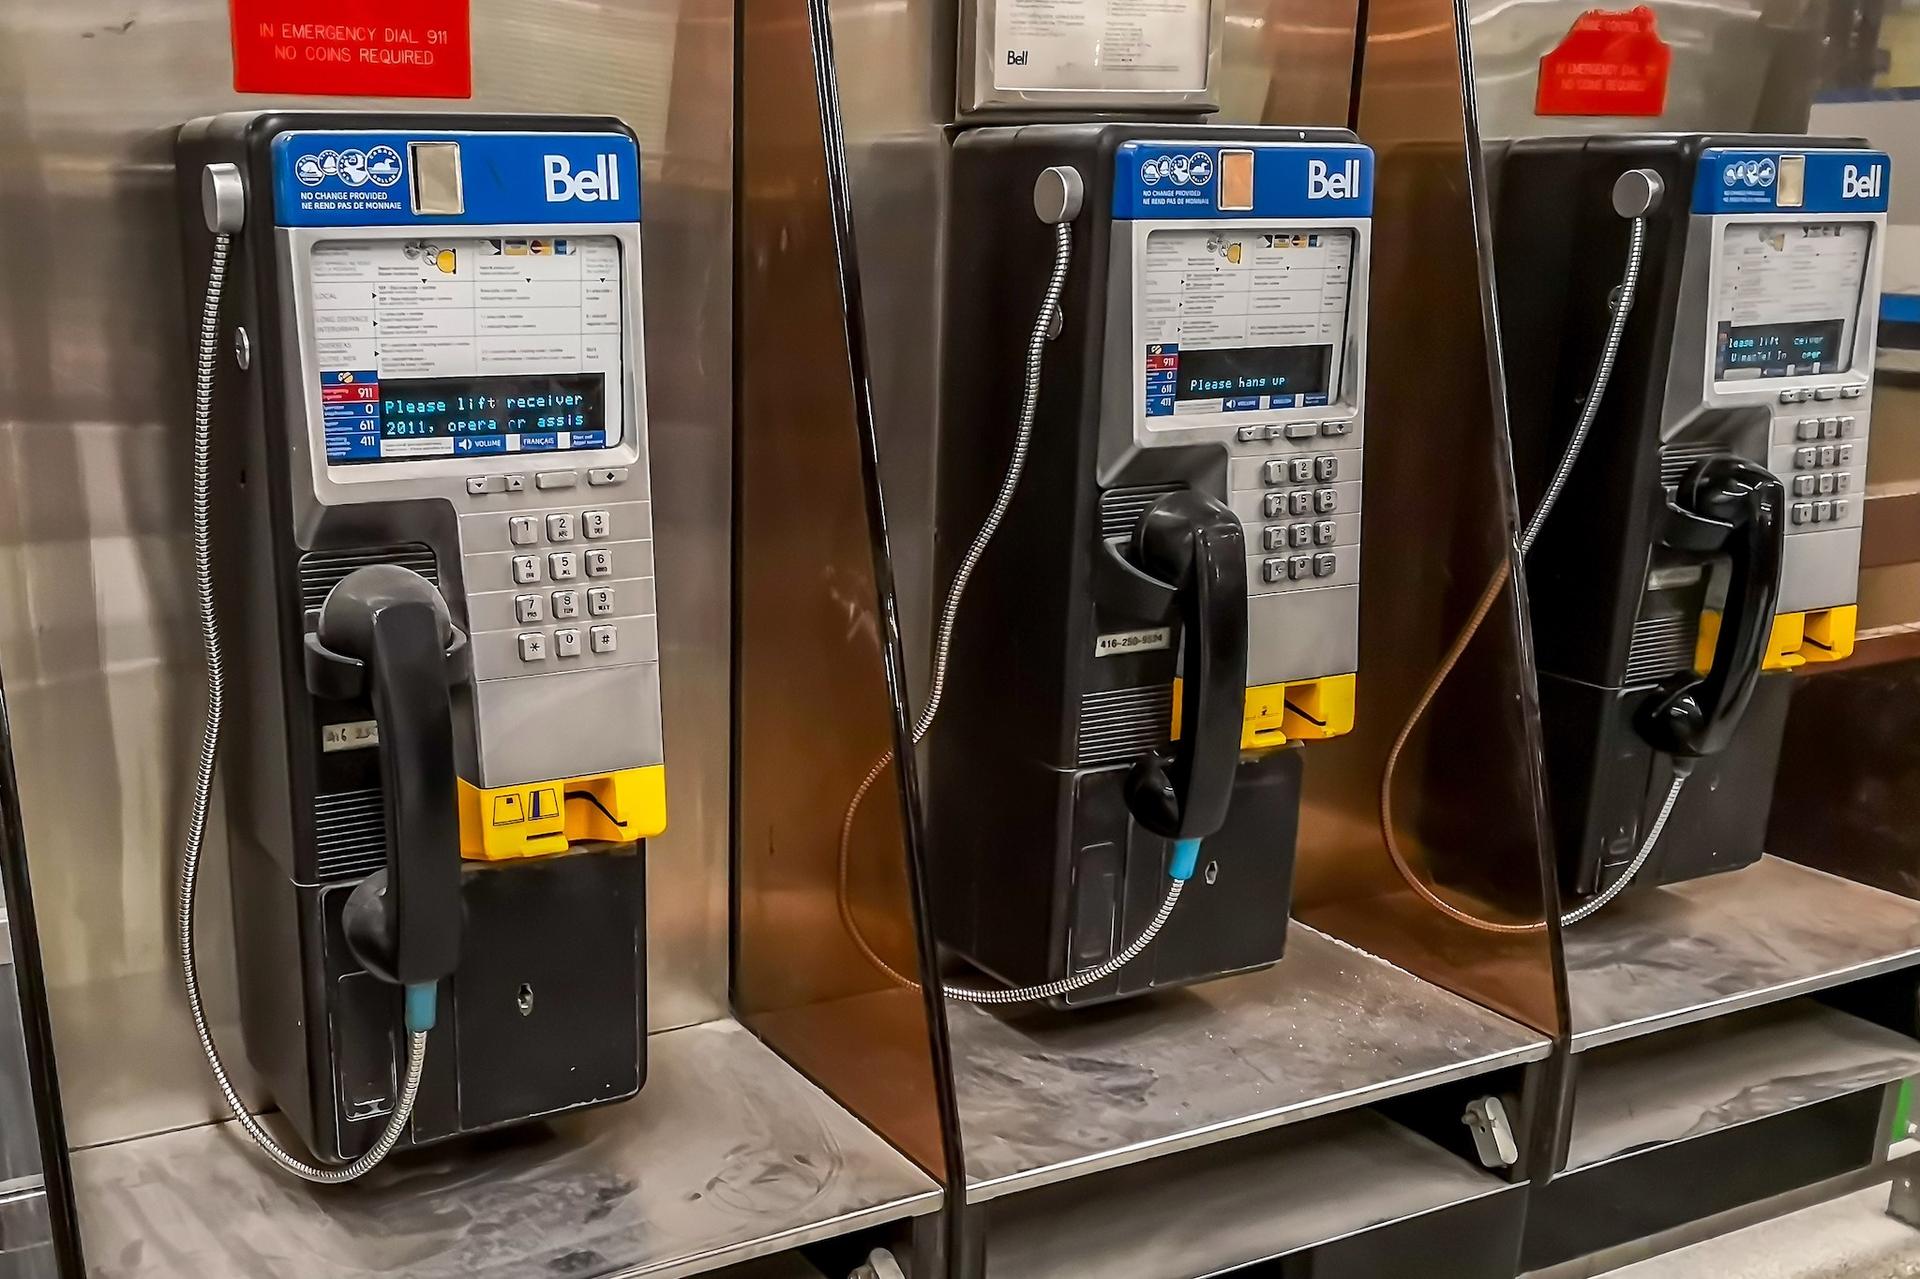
(529, 608)
(566, 604)
(600, 601)
(1323, 533)
(523, 530)
(1299, 502)
(526, 568)
(564, 565)
(560, 527)
(595, 525)
(1324, 500)
(1300, 535)
(533, 646)
(600, 563)
(1300, 470)
(1325, 468)
(566, 642)
(602, 639)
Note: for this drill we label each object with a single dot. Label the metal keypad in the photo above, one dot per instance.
(526, 568)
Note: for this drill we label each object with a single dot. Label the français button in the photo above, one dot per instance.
(600, 601)
(566, 642)
(1301, 430)
(478, 484)
(602, 475)
(556, 479)
(533, 646)
(602, 639)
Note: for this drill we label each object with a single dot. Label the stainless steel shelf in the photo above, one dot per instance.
(1725, 1072)
(727, 1155)
(1211, 1211)
(1669, 956)
(1047, 1096)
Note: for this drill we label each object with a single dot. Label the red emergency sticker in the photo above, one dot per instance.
(1610, 63)
(353, 48)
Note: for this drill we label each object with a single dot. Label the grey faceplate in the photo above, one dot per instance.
(1305, 624)
(1822, 564)
(536, 718)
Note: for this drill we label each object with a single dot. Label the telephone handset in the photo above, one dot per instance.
(1729, 507)
(1195, 544)
(384, 632)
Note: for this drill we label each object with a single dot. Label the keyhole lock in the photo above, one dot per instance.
(525, 1000)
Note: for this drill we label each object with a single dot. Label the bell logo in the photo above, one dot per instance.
(1855, 185)
(1326, 184)
(601, 182)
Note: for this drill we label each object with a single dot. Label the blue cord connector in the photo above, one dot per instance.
(1186, 857)
(423, 1006)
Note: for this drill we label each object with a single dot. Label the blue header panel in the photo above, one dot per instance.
(1763, 181)
(1242, 180)
(366, 178)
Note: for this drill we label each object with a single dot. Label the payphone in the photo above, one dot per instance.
(1707, 542)
(423, 550)
(1154, 523)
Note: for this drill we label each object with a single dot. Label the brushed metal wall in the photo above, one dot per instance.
(1737, 64)
(96, 635)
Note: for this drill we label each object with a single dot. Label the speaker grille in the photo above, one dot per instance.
(349, 834)
(321, 571)
(1124, 723)
(1676, 458)
(1662, 646)
(1121, 509)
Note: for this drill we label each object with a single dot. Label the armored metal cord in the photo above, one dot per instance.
(1621, 304)
(208, 359)
(1043, 328)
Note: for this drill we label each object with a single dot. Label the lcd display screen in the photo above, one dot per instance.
(1238, 320)
(1232, 371)
(1789, 298)
(460, 347)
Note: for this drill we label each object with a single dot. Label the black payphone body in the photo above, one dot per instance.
(1707, 541)
(426, 561)
(1172, 603)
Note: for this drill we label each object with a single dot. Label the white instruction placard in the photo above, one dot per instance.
(1158, 45)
